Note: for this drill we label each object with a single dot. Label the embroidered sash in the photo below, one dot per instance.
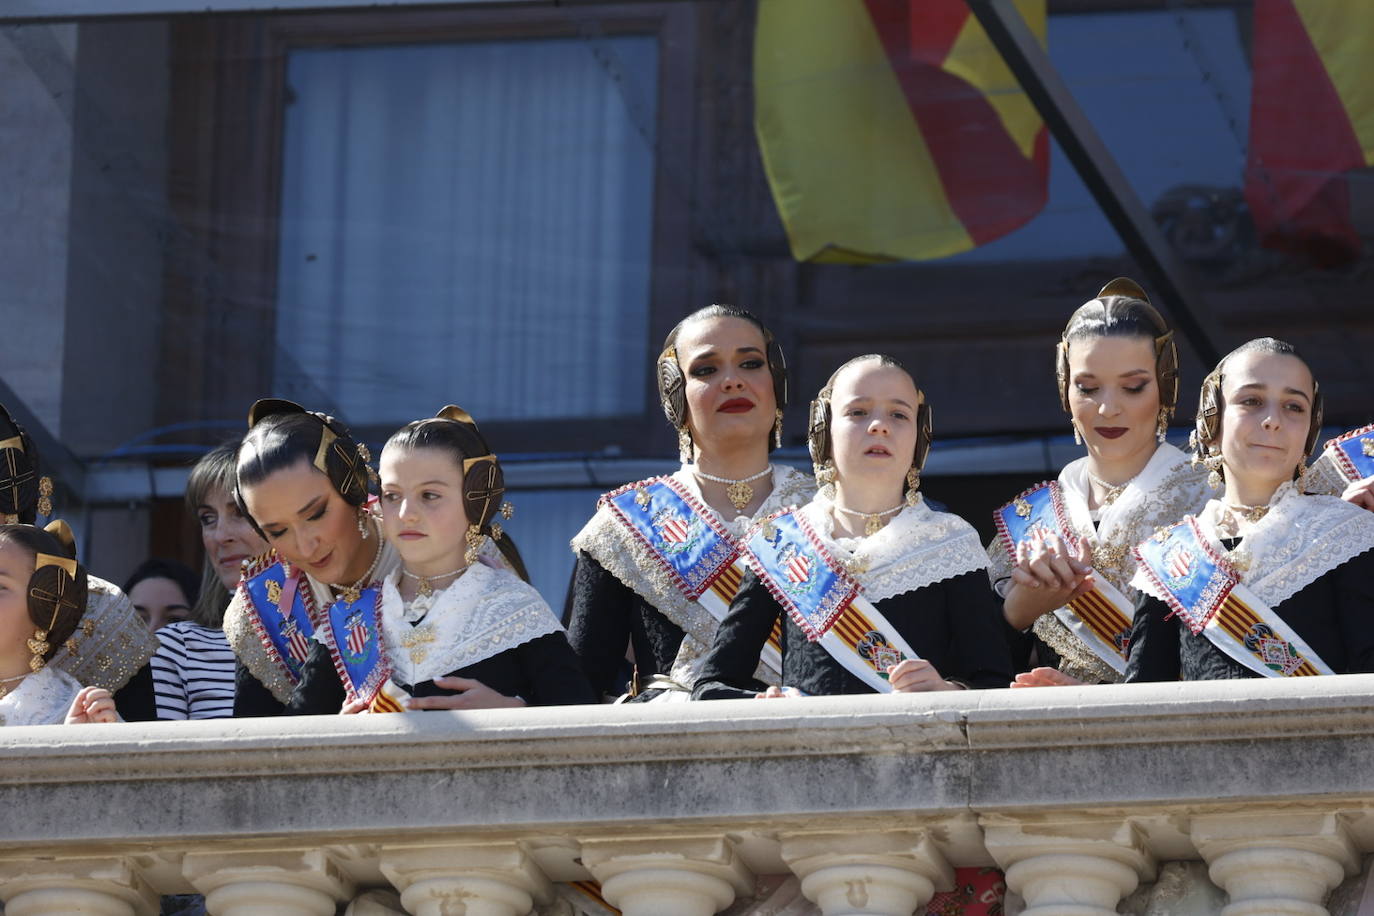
(1353, 453)
(823, 599)
(691, 546)
(1203, 588)
(282, 616)
(1101, 617)
(353, 634)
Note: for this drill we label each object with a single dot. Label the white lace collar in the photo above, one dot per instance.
(1074, 483)
(1300, 539)
(790, 488)
(484, 612)
(40, 699)
(917, 548)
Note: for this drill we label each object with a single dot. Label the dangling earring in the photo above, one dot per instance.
(1162, 425)
(684, 445)
(1300, 479)
(363, 526)
(1077, 438)
(777, 429)
(39, 647)
(825, 477)
(45, 497)
(474, 538)
(1215, 477)
(913, 483)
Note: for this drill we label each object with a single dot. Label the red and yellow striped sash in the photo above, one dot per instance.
(1102, 617)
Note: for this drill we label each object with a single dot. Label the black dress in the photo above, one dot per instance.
(1334, 614)
(955, 624)
(542, 672)
(604, 616)
(251, 698)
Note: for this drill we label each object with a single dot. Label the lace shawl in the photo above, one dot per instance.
(484, 612)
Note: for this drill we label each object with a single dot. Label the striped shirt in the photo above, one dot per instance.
(193, 673)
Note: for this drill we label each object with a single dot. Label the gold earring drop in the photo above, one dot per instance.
(777, 429)
(913, 483)
(1077, 437)
(1162, 426)
(474, 538)
(684, 445)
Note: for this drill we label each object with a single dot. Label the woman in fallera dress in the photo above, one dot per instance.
(446, 628)
(658, 564)
(1062, 559)
(302, 481)
(1265, 580)
(872, 589)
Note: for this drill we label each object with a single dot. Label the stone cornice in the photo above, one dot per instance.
(1152, 752)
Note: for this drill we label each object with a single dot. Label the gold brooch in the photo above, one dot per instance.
(1367, 444)
(642, 497)
(1023, 508)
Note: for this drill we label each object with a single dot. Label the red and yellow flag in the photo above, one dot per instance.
(892, 129)
(1311, 121)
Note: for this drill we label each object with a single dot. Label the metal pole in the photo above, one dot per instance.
(1067, 123)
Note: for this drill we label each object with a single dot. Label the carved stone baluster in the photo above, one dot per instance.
(288, 883)
(679, 876)
(886, 873)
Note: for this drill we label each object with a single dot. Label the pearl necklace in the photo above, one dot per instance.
(351, 593)
(737, 491)
(873, 521)
(1112, 491)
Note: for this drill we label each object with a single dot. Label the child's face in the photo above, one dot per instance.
(16, 567)
(422, 508)
(873, 411)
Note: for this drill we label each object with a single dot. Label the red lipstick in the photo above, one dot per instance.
(736, 405)
(1111, 432)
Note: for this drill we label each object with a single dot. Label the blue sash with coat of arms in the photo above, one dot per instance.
(1204, 589)
(1353, 453)
(824, 600)
(691, 545)
(1100, 617)
(285, 632)
(355, 642)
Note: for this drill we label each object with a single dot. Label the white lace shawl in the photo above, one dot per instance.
(918, 547)
(623, 556)
(40, 699)
(1299, 540)
(484, 612)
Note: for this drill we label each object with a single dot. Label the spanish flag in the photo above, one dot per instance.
(1311, 121)
(892, 130)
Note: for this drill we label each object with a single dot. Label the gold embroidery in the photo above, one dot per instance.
(417, 642)
(642, 497)
(1023, 508)
(274, 592)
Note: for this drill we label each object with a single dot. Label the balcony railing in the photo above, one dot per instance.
(1079, 794)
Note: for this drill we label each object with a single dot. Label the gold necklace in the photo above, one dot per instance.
(738, 492)
(426, 588)
(351, 593)
(873, 521)
(1111, 492)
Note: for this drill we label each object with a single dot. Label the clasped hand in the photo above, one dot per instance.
(1049, 573)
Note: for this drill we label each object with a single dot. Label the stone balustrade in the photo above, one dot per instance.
(1079, 794)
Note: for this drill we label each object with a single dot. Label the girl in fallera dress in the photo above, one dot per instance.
(658, 563)
(302, 482)
(110, 646)
(1062, 559)
(453, 629)
(42, 600)
(873, 590)
(1265, 580)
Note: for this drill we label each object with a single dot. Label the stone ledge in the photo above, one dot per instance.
(1157, 752)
